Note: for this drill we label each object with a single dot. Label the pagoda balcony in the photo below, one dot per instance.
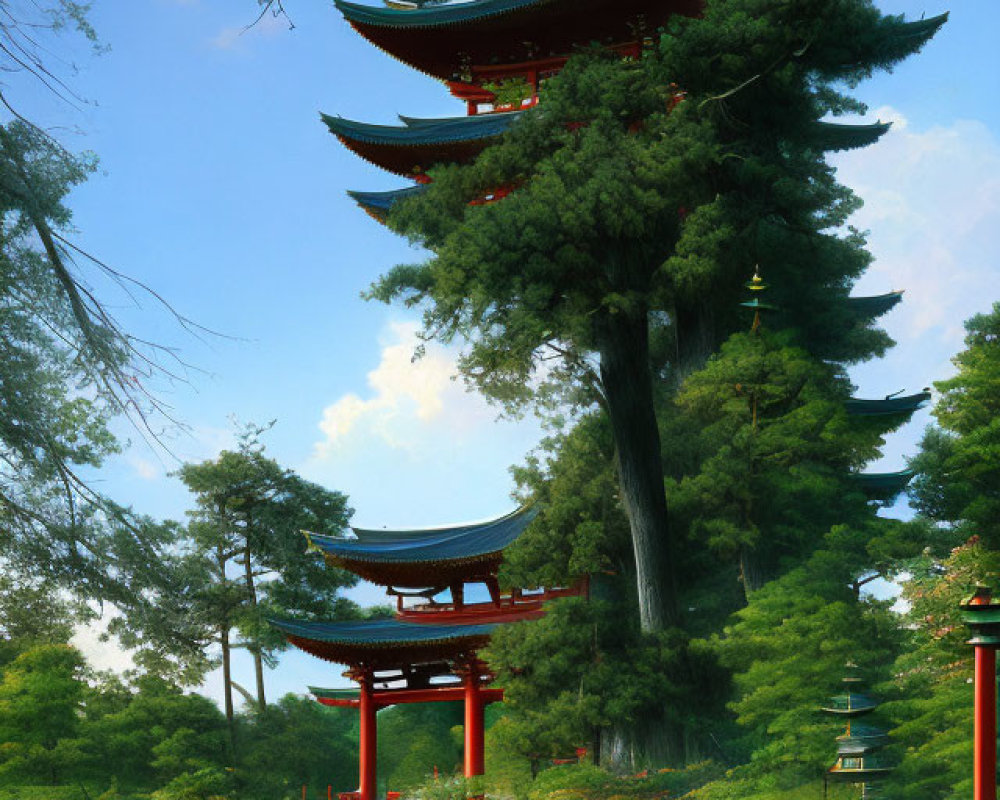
(517, 605)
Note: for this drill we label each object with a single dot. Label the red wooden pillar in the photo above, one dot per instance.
(474, 734)
(984, 778)
(368, 744)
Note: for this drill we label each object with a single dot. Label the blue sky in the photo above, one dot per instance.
(220, 188)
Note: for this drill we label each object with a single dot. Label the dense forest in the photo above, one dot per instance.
(702, 467)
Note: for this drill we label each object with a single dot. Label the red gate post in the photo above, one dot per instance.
(474, 734)
(983, 617)
(368, 749)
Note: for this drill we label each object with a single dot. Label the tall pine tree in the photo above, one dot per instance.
(634, 211)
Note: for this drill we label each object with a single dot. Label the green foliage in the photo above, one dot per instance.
(787, 651)
(959, 463)
(209, 783)
(32, 614)
(581, 528)
(579, 670)
(151, 732)
(414, 739)
(645, 191)
(958, 469)
(40, 700)
(243, 560)
(932, 686)
(510, 92)
(775, 447)
(67, 369)
(587, 782)
(296, 742)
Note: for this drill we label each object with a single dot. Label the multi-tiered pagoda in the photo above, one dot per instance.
(477, 47)
(859, 760)
(429, 652)
(494, 56)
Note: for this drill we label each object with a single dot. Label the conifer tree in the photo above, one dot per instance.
(955, 490)
(246, 545)
(644, 191)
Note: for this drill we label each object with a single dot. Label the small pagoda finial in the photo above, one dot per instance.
(756, 283)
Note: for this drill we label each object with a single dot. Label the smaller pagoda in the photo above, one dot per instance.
(858, 758)
(429, 652)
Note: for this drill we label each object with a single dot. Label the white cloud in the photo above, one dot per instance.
(932, 205)
(408, 397)
(101, 655)
(144, 468)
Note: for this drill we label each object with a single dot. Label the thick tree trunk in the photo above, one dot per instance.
(696, 337)
(227, 674)
(258, 659)
(628, 389)
(751, 571)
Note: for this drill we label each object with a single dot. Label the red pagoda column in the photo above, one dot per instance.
(983, 616)
(985, 735)
(474, 734)
(368, 740)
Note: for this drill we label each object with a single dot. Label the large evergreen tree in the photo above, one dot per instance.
(644, 190)
(957, 489)
(247, 547)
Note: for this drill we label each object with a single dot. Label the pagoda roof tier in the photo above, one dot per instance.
(842, 136)
(982, 615)
(382, 644)
(412, 148)
(875, 305)
(377, 204)
(447, 39)
(883, 486)
(850, 704)
(861, 739)
(350, 698)
(838, 774)
(426, 557)
(905, 404)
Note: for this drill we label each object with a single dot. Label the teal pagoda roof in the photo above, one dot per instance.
(384, 643)
(431, 544)
(416, 132)
(378, 203)
(874, 306)
(883, 486)
(449, 40)
(841, 136)
(905, 404)
(411, 148)
(428, 15)
(861, 739)
(850, 704)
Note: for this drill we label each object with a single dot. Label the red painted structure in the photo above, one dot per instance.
(429, 652)
(985, 733)
(982, 615)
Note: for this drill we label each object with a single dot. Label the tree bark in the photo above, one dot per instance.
(258, 659)
(696, 337)
(751, 571)
(227, 676)
(628, 387)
